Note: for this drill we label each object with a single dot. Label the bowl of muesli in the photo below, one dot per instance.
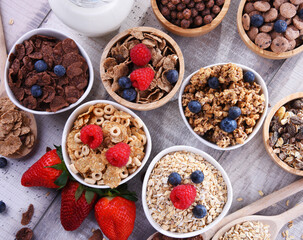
(185, 192)
(224, 105)
(283, 133)
(142, 68)
(105, 144)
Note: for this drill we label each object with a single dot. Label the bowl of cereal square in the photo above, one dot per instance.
(185, 192)
(47, 72)
(224, 105)
(104, 144)
(142, 68)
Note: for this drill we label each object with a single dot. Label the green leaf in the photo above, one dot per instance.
(79, 192)
(59, 152)
(89, 196)
(130, 197)
(62, 179)
(59, 166)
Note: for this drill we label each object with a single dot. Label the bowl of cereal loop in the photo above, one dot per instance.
(223, 105)
(104, 144)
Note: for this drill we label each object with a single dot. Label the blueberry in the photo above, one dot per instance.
(2, 206)
(228, 125)
(172, 76)
(124, 82)
(40, 66)
(256, 20)
(3, 162)
(59, 70)
(213, 82)
(129, 94)
(197, 176)
(36, 91)
(280, 26)
(249, 77)
(194, 106)
(300, 14)
(174, 179)
(234, 112)
(199, 211)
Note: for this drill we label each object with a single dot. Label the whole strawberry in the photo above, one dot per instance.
(46, 172)
(140, 55)
(141, 78)
(76, 203)
(118, 155)
(116, 217)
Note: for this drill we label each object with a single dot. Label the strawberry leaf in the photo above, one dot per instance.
(89, 196)
(130, 197)
(62, 179)
(59, 166)
(79, 192)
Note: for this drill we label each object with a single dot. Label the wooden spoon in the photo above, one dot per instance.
(254, 207)
(33, 126)
(275, 222)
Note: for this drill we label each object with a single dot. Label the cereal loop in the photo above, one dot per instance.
(115, 131)
(105, 121)
(99, 121)
(73, 169)
(137, 123)
(123, 174)
(125, 122)
(85, 150)
(77, 137)
(137, 162)
(129, 163)
(107, 117)
(97, 176)
(109, 109)
(99, 112)
(132, 170)
(115, 119)
(89, 180)
(78, 154)
(144, 139)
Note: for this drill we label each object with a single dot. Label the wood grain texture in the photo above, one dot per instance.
(250, 168)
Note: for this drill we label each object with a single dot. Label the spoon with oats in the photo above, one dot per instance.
(18, 129)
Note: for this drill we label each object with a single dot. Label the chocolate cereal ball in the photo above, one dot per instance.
(220, 2)
(194, 12)
(185, 23)
(181, 6)
(216, 9)
(171, 6)
(164, 2)
(198, 21)
(180, 15)
(186, 13)
(191, 4)
(173, 14)
(205, 12)
(175, 2)
(210, 4)
(185, 1)
(207, 19)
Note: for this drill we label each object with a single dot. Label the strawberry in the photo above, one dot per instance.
(76, 203)
(49, 171)
(116, 217)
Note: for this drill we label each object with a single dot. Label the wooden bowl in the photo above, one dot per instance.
(145, 106)
(190, 32)
(269, 149)
(252, 46)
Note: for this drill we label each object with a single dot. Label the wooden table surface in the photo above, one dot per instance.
(249, 168)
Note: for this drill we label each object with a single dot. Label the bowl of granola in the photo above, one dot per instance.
(224, 105)
(104, 144)
(283, 133)
(47, 72)
(185, 192)
(142, 68)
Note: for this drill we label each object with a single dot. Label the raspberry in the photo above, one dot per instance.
(91, 135)
(141, 78)
(183, 196)
(140, 55)
(118, 155)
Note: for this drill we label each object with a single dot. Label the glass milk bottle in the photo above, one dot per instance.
(92, 18)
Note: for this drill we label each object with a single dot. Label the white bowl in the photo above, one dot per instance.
(60, 36)
(209, 159)
(69, 124)
(258, 79)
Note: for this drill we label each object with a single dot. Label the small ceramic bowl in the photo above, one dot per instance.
(258, 79)
(268, 148)
(209, 159)
(252, 46)
(145, 106)
(60, 36)
(69, 124)
(190, 32)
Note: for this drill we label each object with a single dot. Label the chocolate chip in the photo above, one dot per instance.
(24, 234)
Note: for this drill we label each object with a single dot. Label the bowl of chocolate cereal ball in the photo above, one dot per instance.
(272, 29)
(283, 133)
(223, 105)
(47, 72)
(190, 18)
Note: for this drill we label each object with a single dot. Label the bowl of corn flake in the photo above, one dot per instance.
(91, 141)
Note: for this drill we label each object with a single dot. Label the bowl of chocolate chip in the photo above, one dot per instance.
(283, 133)
(190, 18)
(272, 29)
(47, 72)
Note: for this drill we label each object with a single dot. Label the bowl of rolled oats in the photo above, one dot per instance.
(185, 192)
(283, 133)
(105, 144)
(142, 68)
(224, 105)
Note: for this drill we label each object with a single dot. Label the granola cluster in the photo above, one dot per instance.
(233, 91)
(117, 126)
(286, 133)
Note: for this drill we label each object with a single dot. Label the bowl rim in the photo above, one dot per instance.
(60, 35)
(257, 127)
(190, 32)
(209, 159)
(267, 121)
(253, 47)
(69, 123)
(144, 106)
